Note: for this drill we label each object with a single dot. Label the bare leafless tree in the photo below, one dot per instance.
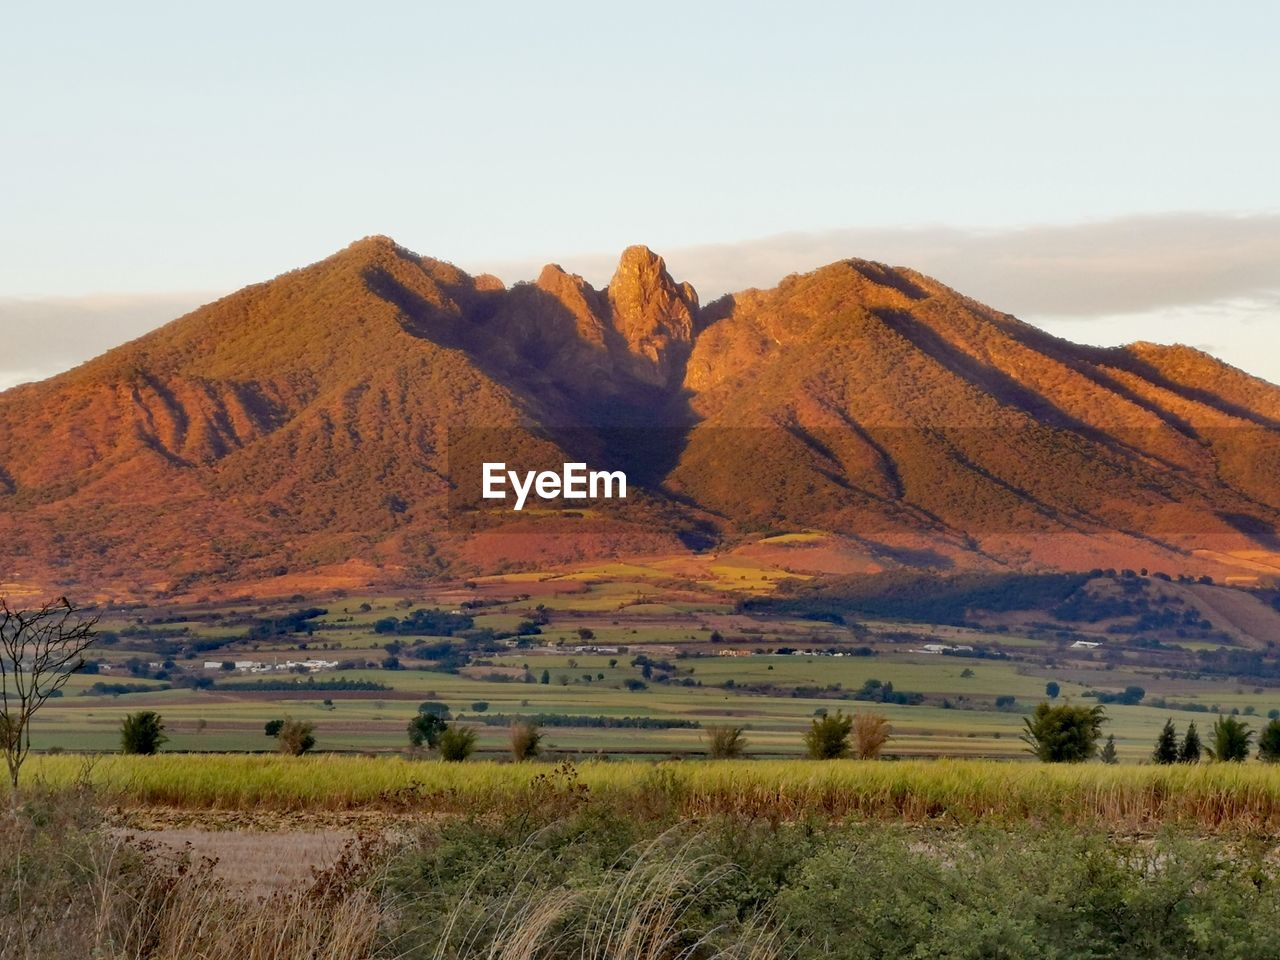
(39, 650)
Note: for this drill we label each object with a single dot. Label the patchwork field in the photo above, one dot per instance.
(615, 644)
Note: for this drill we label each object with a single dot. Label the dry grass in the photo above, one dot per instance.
(638, 913)
(197, 918)
(74, 889)
(256, 862)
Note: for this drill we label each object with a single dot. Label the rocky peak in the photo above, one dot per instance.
(654, 315)
(574, 298)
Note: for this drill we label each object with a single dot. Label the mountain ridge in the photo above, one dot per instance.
(307, 422)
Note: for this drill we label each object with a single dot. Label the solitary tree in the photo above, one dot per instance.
(1269, 742)
(871, 732)
(1108, 753)
(1051, 689)
(1189, 752)
(272, 727)
(725, 742)
(1064, 734)
(1230, 740)
(296, 736)
(1166, 749)
(828, 736)
(39, 650)
(142, 732)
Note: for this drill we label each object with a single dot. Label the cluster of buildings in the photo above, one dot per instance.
(259, 666)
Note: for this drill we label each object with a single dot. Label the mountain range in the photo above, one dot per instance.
(326, 428)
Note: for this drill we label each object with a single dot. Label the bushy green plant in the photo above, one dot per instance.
(828, 736)
(1063, 734)
(1231, 738)
(457, 743)
(142, 732)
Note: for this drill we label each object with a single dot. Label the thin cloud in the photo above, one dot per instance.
(1175, 277)
(1111, 267)
(42, 337)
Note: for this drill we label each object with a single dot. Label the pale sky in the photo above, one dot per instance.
(1106, 170)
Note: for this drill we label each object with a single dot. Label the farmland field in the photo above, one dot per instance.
(621, 641)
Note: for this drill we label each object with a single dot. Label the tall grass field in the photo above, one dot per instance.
(1207, 796)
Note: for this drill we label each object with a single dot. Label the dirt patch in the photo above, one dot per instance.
(253, 861)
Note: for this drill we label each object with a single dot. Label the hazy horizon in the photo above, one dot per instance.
(1209, 281)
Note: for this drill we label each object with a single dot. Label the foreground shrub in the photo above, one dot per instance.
(988, 894)
(599, 887)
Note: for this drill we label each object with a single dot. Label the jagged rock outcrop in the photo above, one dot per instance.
(656, 317)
